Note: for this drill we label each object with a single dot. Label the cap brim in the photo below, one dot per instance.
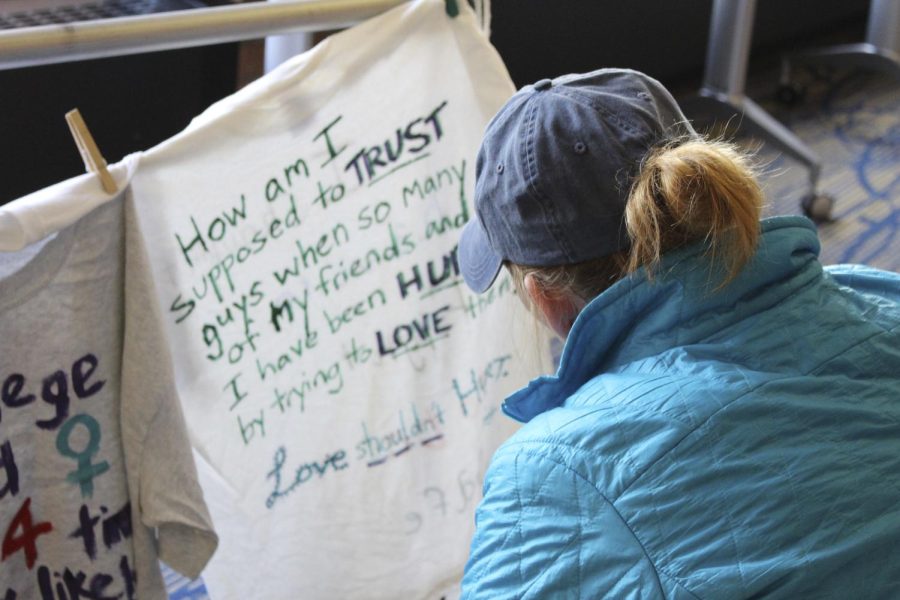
(478, 262)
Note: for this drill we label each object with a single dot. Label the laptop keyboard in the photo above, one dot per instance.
(88, 11)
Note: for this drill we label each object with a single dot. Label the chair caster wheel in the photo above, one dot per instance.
(790, 94)
(818, 207)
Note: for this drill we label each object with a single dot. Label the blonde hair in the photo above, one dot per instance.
(686, 191)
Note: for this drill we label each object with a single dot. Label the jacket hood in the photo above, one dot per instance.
(637, 318)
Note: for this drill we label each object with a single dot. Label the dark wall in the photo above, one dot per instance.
(664, 38)
(129, 103)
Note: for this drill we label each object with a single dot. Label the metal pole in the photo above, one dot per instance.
(883, 29)
(728, 50)
(166, 31)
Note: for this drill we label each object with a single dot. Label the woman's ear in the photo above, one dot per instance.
(558, 309)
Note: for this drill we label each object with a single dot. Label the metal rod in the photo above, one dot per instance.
(728, 49)
(166, 31)
(883, 28)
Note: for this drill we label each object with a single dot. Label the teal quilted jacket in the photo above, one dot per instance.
(696, 444)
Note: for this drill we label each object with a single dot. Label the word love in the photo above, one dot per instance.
(426, 330)
(335, 461)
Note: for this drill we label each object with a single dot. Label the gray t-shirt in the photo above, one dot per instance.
(97, 480)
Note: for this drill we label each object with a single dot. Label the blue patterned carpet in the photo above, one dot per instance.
(852, 120)
(182, 588)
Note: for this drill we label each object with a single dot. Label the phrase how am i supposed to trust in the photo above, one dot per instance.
(291, 294)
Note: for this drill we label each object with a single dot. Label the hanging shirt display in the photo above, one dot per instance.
(340, 386)
(96, 475)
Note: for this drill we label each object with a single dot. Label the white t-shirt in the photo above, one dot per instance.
(340, 383)
(96, 476)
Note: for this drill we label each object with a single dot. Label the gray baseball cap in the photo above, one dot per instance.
(555, 169)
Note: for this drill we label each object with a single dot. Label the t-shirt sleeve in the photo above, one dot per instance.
(171, 501)
(171, 518)
(544, 531)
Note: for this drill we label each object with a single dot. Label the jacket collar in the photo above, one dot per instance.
(636, 319)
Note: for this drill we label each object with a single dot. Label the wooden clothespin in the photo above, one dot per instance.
(93, 161)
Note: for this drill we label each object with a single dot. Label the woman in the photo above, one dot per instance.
(725, 420)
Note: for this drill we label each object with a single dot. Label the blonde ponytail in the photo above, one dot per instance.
(686, 191)
(691, 191)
